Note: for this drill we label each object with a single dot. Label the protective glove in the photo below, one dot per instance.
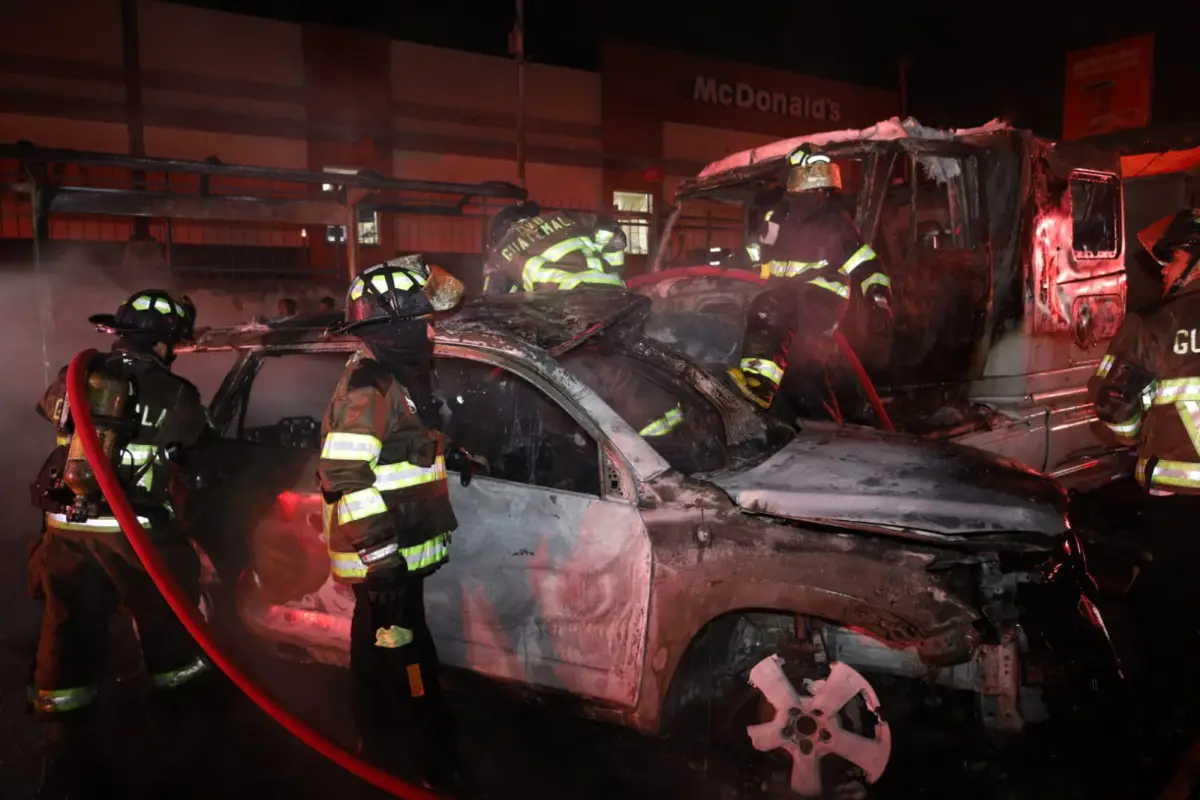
(385, 581)
(464, 463)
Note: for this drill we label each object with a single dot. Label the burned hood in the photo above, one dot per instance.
(863, 477)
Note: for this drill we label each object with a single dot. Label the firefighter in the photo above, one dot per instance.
(534, 251)
(387, 514)
(84, 565)
(813, 259)
(1147, 387)
(1146, 392)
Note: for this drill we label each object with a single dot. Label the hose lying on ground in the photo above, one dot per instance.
(189, 614)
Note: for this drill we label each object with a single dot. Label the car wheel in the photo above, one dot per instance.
(796, 729)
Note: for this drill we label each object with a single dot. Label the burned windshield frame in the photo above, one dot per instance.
(741, 185)
(697, 444)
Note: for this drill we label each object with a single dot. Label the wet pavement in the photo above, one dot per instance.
(515, 749)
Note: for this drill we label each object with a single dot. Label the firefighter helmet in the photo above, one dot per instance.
(508, 216)
(400, 289)
(808, 171)
(1179, 231)
(152, 316)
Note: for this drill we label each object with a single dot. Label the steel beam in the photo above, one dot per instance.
(364, 179)
(123, 203)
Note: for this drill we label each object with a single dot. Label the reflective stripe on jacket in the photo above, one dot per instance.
(810, 236)
(1147, 391)
(383, 475)
(169, 413)
(557, 251)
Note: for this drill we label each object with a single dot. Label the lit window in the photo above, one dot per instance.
(368, 226)
(633, 214)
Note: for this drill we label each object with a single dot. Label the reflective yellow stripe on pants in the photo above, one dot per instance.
(764, 368)
(59, 701)
(178, 677)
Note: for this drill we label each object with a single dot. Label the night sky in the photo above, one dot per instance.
(970, 61)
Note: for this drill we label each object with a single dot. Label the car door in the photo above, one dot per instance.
(262, 509)
(548, 582)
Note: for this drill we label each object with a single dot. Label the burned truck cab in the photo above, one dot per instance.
(1006, 259)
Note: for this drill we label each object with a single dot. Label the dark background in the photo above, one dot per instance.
(969, 62)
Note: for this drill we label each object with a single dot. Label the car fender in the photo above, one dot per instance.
(879, 586)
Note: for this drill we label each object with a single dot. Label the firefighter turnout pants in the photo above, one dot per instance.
(402, 718)
(786, 335)
(83, 576)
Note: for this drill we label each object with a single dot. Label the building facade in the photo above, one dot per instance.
(153, 78)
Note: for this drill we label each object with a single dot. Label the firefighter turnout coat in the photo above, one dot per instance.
(169, 413)
(1147, 391)
(811, 244)
(383, 475)
(557, 250)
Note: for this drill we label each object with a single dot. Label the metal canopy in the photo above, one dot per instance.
(318, 198)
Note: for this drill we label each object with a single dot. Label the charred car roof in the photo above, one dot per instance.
(549, 321)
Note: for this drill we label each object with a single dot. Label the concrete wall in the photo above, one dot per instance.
(46, 319)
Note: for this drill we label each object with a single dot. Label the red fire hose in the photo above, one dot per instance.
(187, 612)
(865, 379)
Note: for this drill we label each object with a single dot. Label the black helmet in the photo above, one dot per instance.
(403, 288)
(151, 316)
(508, 216)
(1177, 232)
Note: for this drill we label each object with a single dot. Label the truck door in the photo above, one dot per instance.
(930, 234)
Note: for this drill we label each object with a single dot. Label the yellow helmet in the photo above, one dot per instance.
(809, 171)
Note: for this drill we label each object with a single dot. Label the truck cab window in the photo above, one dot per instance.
(1095, 215)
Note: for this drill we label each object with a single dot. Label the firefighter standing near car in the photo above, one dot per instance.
(388, 516)
(1147, 393)
(814, 260)
(147, 418)
(535, 251)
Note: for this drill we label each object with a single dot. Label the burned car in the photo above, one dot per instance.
(652, 575)
(1006, 258)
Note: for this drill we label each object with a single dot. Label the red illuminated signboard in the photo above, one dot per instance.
(1108, 87)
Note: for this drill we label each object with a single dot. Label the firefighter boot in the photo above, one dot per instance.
(71, 767)
(184, 730)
